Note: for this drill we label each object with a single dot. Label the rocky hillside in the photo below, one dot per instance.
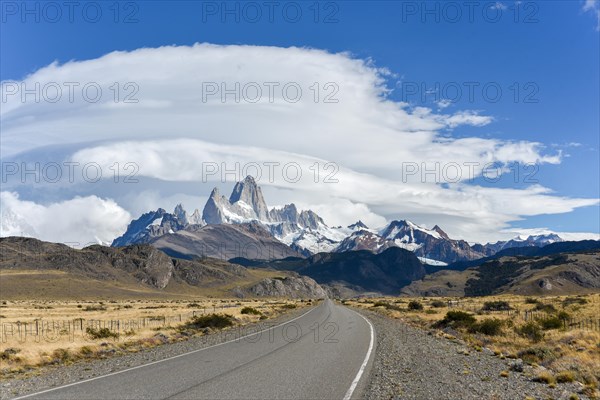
(29, 263)
(362, 271)
(292, 287)
(223, 241)
(557, 274)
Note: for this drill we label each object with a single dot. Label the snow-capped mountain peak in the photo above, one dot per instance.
(358, 225)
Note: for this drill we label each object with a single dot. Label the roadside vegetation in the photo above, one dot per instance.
(45, 333)
(553, 340)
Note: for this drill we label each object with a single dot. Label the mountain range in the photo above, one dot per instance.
(32, 268)
(244, 226)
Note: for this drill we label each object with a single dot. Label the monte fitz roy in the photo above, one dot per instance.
(244, 226)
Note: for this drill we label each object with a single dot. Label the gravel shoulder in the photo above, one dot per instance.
(411, 363)
(53, 376)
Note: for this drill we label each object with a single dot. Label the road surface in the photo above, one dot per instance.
(323, 354)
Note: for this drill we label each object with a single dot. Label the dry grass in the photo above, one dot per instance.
(60, 285)
(72, 340)
(568, 354)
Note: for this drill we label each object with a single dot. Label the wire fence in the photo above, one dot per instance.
(49, 330)
(568, 323)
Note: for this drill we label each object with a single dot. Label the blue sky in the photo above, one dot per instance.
(546, 54)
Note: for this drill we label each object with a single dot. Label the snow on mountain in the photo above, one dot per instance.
(429, 261)
(364, 240)
(519, 241)
(307, 233)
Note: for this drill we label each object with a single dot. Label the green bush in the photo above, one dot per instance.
(549, 308)
(438, 304)
(496, 306)
(551, 323)
(531, 331)
(574, 300)
(387, 306)
(531, 300)
(288, 306)
(215, 321)
(564, 315)
(102, 333)
(456, 319)
(415, 305)
(537, 355)
(95, 308)
(250, 310)
(490, 327)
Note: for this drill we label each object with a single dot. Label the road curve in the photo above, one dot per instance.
(323, 354)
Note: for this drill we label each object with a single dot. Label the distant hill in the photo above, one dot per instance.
(364, 271)
(553, 274)
(30, 268)
(534, 251)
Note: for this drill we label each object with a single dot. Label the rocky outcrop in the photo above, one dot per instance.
(294, 287)
(248, 192)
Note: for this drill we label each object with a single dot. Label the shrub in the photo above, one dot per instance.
(537, 355)
(387, 306)
(456, 319)
(288, 306)
(551, 323)
(95, 308)
(250, 310)
(490, 327)
(531, 331)
(531, 300)
(574, 300)
(194, 305)
(565, 376)
(549, 308)
(102, 333)
(9, 352)
(216, 321)
(127, 306)
(62, 355)
(415, 305)
(496, 306)
(438, 304)
(545, 377)
(86, 351)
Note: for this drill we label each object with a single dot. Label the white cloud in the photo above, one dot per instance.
(444, 103)
(77, 222)
(465, 210)
(593, 6)
(498, 6)
(545, 231)
(176, 128)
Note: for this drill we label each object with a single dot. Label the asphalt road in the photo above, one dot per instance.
(323, 354)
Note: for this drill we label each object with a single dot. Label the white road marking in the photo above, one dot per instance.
(159, 361)
(352, 388)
